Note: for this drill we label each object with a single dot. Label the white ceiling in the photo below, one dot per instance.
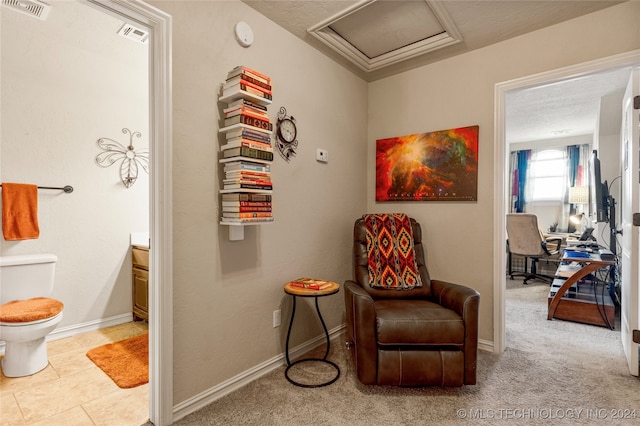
(569, 108)
(361, 32)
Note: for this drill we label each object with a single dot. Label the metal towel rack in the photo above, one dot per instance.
(67, 188)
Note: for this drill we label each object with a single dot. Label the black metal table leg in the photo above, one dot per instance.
(323, 359)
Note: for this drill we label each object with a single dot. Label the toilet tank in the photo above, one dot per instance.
(26, 276)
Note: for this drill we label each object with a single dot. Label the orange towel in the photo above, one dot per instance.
(19, 211)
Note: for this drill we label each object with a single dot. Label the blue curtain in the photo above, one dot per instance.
(521, 178)
(573, 154)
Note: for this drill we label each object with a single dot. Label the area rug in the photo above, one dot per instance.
(126, 362)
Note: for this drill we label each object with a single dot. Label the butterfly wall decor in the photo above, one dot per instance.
(131, 159)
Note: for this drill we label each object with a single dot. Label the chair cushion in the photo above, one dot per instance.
(417, 323)
(29, 310)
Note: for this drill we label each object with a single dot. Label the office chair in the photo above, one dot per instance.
(525, 239)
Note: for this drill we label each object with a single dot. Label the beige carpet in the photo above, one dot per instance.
(125, 361)
(552, 372)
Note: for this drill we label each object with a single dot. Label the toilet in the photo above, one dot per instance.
(27, 313)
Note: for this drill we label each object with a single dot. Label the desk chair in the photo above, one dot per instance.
(525, 239)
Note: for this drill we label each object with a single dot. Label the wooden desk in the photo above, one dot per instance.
(586, 308)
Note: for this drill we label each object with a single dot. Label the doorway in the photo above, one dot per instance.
(159, 142)
(501, 172)
(160, 199)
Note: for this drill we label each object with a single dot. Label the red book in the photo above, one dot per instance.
(228, 90)
(249, 112)
(245, 110)
(248, 204)
(248, 173)
(245, 209)
(255, 86)
(247, 215)
(250, 79)
(310, 283)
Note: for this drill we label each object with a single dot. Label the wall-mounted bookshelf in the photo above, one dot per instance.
(246, 152)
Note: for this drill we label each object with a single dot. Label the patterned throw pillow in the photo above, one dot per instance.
(391, 256)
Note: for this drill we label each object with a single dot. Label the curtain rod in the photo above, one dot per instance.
(68, 188)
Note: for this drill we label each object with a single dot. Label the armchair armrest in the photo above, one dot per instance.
(457, 297)
(466, 302)
(361, 320)
(556, 242)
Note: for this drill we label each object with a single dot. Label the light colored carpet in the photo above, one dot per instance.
(552, 372)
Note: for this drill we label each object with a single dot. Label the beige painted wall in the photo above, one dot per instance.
(460, 92)
(225, 292)
(66, 82)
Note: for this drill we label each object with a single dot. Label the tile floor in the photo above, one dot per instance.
(71, 390)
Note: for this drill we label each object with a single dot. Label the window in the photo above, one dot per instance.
(547, 178)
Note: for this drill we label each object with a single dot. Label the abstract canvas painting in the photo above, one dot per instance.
(434, 166)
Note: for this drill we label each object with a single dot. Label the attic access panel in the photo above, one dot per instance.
(374, 34)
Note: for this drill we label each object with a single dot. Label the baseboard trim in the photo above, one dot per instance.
(72, 330)
(205, 398)
(85, 327)
(485, 345)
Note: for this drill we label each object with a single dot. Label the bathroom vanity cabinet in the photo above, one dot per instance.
(140, 282)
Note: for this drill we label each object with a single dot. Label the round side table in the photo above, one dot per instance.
(296, 292)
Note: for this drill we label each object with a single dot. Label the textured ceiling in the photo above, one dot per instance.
(557, 110)
(569, 108)
(480, 23)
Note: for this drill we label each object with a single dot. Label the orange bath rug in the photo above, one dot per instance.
(126, 361)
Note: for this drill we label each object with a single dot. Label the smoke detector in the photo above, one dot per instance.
(134, 33)
(36, 8)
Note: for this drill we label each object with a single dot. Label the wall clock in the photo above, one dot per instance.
(286, 134)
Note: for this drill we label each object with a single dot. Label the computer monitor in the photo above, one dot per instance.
(599, 191)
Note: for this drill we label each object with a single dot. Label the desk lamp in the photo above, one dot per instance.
(578, 219)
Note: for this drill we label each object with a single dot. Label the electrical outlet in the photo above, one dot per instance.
(322, 155)
(276, 318)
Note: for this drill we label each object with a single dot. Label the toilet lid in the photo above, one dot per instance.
(30, 310)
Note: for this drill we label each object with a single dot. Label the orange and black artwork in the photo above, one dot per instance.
(434, 166)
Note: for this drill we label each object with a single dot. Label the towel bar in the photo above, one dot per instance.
(68, 188)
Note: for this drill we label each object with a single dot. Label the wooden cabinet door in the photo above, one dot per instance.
(140, 294)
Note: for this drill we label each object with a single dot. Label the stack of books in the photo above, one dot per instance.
(250, 128)
(244, 174)
(247, 150)
(311, 283)
(245, 79)
(246, 208)
(248, 141)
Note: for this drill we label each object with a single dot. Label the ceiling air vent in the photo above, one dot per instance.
(36, 8)
(134, 33)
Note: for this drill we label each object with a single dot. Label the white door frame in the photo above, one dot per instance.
(500, 173)
(160, 200)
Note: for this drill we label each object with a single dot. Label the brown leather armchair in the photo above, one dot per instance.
(426, 336)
